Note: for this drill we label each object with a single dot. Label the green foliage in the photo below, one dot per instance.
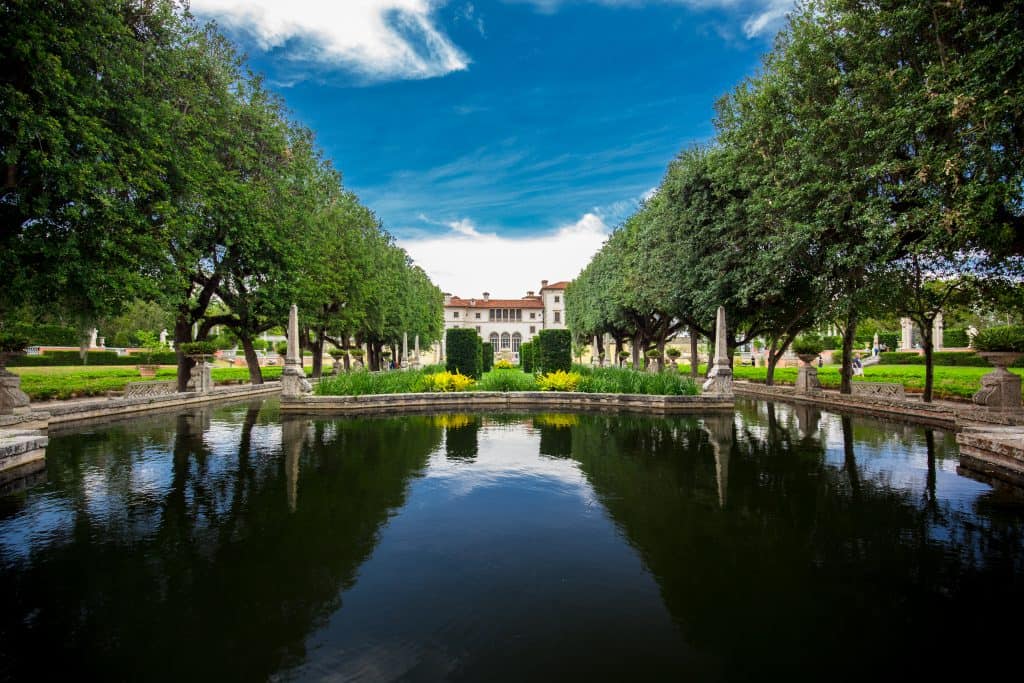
(361, 382)
(337, 354)
(198, 348)
(487, 356)
(281, 348)
(151, 345)
(507, 380)
(1002, 338)
(445, 381)
(43, 334)
(12, 342)
(956, 337)
(673, 353)
(808, 344)
(946, 358)
(625, 381)
(555, 350)
(526, 357)
(464, 352)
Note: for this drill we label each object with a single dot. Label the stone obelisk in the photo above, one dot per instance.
(405, 350)
(719, 382)
(293, 378)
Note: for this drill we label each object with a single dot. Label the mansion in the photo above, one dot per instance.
(507, 323)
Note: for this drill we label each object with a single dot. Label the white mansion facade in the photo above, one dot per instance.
(507, 323)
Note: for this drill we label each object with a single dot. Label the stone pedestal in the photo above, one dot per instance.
(337, 367)
(200, 379)
(653, 365)
(1000, 389)
(719, 381)
(11, 396)
(293, 377)
(807, 381)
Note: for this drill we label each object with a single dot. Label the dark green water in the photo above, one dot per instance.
(773, 543)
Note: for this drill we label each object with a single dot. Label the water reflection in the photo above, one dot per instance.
(237, 543)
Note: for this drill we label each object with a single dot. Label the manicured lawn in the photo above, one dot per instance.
(63, 382)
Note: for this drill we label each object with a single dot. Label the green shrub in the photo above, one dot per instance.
(944, 358)
(464, 352)
(673, 353)
(40, 334)
(625, 381)
(198, 348)
(507, 380)
(559, 380)
(526, 357)
(555, 350)
(11, 341)
(487, 356)
(1002, 338)
(956, 337)
(281, 348)
(361, 383)
(808, 344)
(260, 344)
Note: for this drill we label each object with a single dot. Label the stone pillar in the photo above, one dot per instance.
(405, 350)
(293, 378)
(937, 328)
(719, 380)
(92, 338)
(416, 357)
(907, 334)
(594, 359)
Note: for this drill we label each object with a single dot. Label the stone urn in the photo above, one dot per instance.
(200, 378)
(807, 381)
(11, 395)
(1000, 389)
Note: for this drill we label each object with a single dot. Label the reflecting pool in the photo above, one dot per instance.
(770, 542)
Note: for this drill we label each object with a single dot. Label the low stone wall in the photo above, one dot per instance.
(75, 411)
(887, 390)
(935, 415)
(148, 389)
(996, 452)
(21, 447)
(493, 400)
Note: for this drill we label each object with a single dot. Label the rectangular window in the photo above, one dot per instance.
(558, 317)
(533, 329)
(477, 328)
(519, 314)
(455, 315)
(557, 299)
(533, 316)
(478, 316)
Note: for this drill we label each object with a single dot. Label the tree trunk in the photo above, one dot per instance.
(252, 361)
(929, 367)
(318, 353)
(773, 360)
(661, 354)
(182, 335)
(637, 342)
(849, 331)
(694, 354)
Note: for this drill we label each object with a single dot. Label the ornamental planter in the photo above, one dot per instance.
(11, 395)
(1000, 389)
(807, 381)
(200, 378)
(147, 371)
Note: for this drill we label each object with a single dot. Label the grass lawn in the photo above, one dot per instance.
(63, 382)
(950, 382)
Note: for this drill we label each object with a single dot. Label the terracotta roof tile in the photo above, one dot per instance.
(558, 285)
(534, 302)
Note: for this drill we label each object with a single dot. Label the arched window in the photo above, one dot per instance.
(494, 341)
(506, 340)
(516, 340)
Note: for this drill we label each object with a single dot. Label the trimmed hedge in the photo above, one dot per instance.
(555, 348)
(487, 357)
(464, 351)
(526, 357)
(955, 337)
(63, 358)
(948, 358)
(47, 334)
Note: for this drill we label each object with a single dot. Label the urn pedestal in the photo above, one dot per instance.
(1000, 389)
(807, 381)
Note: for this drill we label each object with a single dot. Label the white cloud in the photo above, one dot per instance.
(375, 39)
(763, 16)
(467, 262)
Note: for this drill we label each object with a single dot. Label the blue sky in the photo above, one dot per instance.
(501, 140)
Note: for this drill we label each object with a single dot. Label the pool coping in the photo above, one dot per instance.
(510, 400)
